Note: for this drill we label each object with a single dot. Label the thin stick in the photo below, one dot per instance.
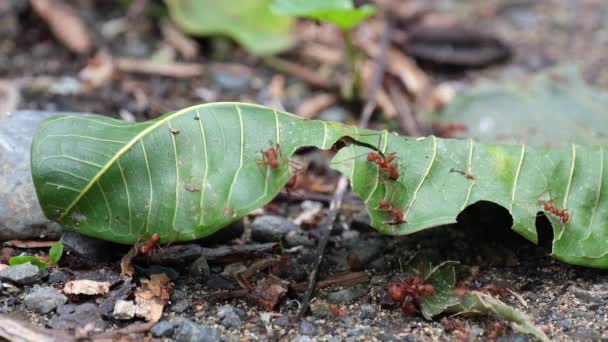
(306, 74)
(377, 76)
(406, 119)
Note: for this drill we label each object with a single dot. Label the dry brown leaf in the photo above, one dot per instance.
(151, 297)
(29, 244)
(86, 287)
(186, 46)
(312, 106)
(65, 24)
(269, 292)
(126, 262)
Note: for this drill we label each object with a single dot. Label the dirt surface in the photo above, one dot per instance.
(569, 302)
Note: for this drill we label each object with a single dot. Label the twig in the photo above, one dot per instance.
(326, 227)
(169, 69)
(15, 330)
(307, 75)
(407, 121)
(378, 75)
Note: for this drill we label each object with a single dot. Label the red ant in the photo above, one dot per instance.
(147, 246)
(271, 156)
(408, 291)
(385, 163)
(395, 213)
(561, 213)
(466, 175)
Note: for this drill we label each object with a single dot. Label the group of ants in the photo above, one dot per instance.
(406, 292)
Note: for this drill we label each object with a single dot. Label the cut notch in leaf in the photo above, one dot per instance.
(341, 13)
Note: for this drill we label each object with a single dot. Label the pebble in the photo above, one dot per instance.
(199, 270)
(307, 328)
(586, 334)
(301, 338)
(270, 228)
(588, 296)
(294, 238)
(282, 321)
(230, 317)
(88, 250)
(181, 305)
(188, 331)
(163, 329)
(347, 296)
(72, 316)
(44, 299)
(20, 214)
(58, 277)
(320, 308)
(22, 274)
(367, 311)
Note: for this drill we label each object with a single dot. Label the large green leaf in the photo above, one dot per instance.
(250, 22)
(516, 177)
(183, 175)
(341, 13)
(553, 108)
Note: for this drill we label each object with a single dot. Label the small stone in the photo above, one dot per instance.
(282, 321)
(586, 334)
(588, 296)
(229, 318)
(367, 311)
(58, 277)
(22, 274)
(347, 296)
(188, 331)
(181, 305)
(320, 308)
(307, 328)
(124, 309)
(565, 324)
(300, 338)
(231, 76)
(532, 296)
(514, 338)
(271, 228)
(44, 299)
(163, 329)
(200, 270)
(76, 316)
(294, 238)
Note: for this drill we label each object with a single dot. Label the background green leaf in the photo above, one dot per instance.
(55, 252)
(553, 108)
(249, 22)
(512, 176)
(184, 175)
(23, 259)
(342, 13)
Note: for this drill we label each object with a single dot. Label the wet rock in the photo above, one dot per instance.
(44, 299)
(367, 311)
(200, 270)
(87, 250)
(20, 214)
(73, 316)
(307, 328)
(271, 228)
(188, 331)
(22, 274)
(163, 329)
(347, 296)
(229, 317)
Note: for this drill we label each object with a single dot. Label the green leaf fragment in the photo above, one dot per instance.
(249, 22)
(55, 252)
(24, 259)
(341, 13)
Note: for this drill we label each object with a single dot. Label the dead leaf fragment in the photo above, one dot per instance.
(65, 24)
(98, 70)
(186, 46)
(169, 69)
(269, 291)
(86, 287)
(151, 297)
(312, 106)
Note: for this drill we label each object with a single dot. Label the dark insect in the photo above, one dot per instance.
(466, 175)
(407, 292)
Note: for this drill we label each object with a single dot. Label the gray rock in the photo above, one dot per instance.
(514, 338)
(181, 305)
(200, 270)
(188, 331)
(229, 317)
(347, 296)
(282, 321)
(589, 296)
(300, 338)
(73, 316)
(586, 334)
(307, 328)
(271, 228)
(20, 214)
(58, 277)
(320, 308)
(367, 311)
(231, 77)
(163, 329)
(565, 324)
(22, 274)
(44, 299)
(294, 238)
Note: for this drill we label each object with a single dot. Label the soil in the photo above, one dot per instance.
(565, 299)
